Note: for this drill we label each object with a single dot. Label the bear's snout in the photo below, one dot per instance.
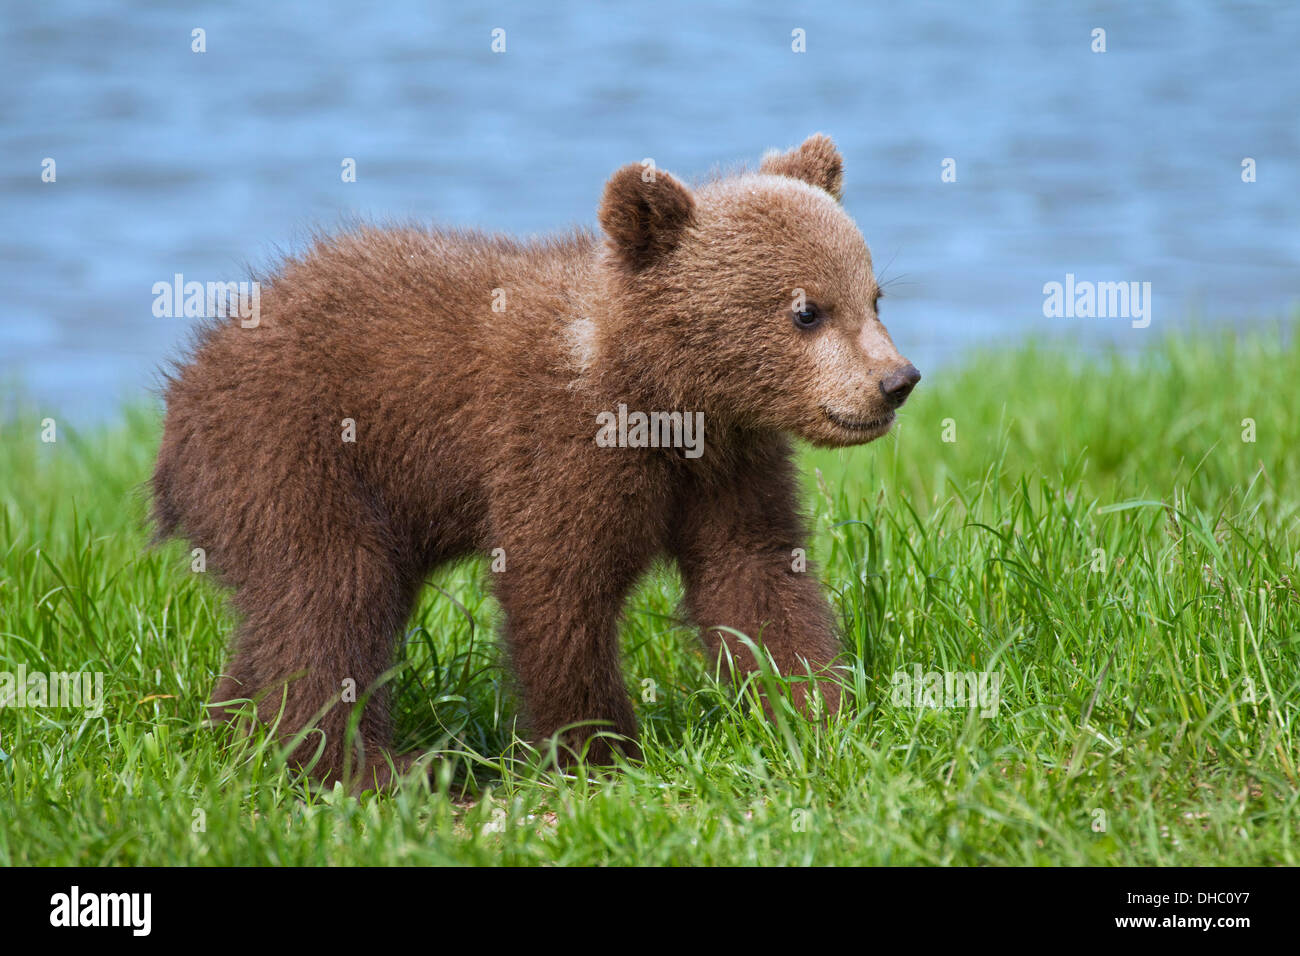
(897, 385)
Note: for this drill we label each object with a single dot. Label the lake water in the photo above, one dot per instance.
(1117, 166)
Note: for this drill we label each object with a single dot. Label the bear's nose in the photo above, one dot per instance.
(899, 384)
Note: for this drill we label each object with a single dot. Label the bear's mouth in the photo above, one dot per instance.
(858, 425)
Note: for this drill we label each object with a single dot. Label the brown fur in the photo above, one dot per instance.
(475, 430)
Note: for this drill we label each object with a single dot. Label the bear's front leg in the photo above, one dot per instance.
(562, 584)
(735, 544)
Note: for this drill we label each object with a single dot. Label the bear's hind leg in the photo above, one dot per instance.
(315, 640)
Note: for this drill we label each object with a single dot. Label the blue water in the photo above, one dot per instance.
(1115, 166)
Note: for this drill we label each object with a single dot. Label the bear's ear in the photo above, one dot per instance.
(644, 212)
(816, 161)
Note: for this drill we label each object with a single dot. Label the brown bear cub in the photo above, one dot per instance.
(411, 396)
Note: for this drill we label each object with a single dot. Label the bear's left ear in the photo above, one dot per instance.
(644, 212)
(815, 161)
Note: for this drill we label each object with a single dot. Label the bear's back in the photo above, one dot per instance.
(391, 333)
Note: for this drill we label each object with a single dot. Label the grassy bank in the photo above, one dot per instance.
(1096, 534)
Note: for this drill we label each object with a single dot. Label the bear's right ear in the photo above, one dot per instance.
(816, 161)
(644, 212)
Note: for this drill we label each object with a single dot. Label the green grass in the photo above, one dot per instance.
(1151, 686)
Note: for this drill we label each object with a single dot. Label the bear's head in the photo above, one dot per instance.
(751, 298)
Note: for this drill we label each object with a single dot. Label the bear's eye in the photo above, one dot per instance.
(809, 317)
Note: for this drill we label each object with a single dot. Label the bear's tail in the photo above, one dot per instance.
(164, 509)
